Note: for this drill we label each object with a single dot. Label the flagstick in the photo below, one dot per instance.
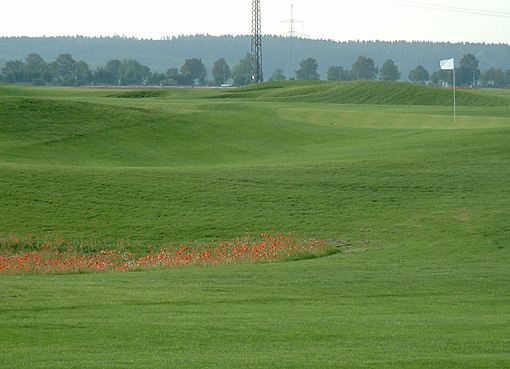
(449, 64)
(454, 103)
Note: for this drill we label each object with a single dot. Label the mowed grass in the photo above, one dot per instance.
(421, 202)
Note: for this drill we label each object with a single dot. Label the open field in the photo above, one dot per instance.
(421, 203)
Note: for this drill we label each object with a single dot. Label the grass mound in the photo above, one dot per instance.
(41, 120)
(140, 94)
(364, 92)
(35, 130)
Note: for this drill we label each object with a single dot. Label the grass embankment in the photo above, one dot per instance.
(366, 92)
(420, 203)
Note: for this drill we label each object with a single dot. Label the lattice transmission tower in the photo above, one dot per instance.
(256, 43)
(292, 34)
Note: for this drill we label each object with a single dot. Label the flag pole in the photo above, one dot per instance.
(454, 102)
(449, 64)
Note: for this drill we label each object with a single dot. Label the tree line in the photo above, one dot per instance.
(279, 52)
(66, 71)
(467, 73)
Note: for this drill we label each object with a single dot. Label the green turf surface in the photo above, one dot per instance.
(421, 202)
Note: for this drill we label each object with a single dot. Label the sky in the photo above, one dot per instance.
(388, 20)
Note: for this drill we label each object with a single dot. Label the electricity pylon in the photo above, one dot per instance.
(291, 35)
(256, 43)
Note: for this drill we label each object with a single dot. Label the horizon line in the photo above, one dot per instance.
(170, 37)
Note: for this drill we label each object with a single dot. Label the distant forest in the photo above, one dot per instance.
(280, 54)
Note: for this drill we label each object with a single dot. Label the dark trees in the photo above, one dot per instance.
(102, 76)
(363, 68)
(493, 77)
(241, 74)
(389, 71)
(337, 74)
(65, 66)
(195, 69)
(468, 72)
(83, 74)
(278, 75)
(308, 70)
(442, 78)
(36, 67)
(14, 71)
(419, 75)
(221, 72)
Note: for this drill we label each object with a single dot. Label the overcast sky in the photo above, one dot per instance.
(422, 20)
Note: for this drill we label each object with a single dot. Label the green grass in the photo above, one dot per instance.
(366, 92)
(421, 202)
(359, 310)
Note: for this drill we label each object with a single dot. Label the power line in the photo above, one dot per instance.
(455, 9)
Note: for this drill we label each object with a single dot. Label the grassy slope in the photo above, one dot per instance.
(423, 203)
(366, 92)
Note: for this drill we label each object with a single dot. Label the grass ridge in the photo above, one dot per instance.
(364, 92)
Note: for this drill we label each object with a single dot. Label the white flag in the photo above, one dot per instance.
(447, 64)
